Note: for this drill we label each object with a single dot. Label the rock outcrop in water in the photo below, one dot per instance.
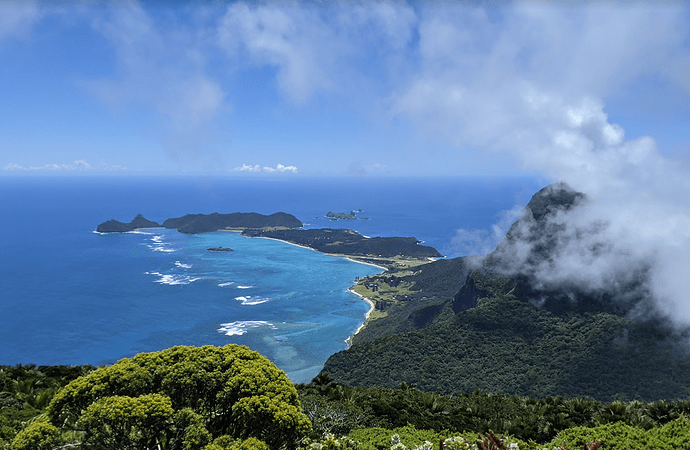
(115, 226)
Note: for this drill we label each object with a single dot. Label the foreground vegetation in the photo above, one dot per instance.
(338, 409)
(211, 398)
(188, 398)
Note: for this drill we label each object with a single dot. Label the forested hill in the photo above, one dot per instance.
(461, 324)
(203, 223)
(114, 226)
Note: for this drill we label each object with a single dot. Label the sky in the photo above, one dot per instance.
(592, 94)
(340, 88)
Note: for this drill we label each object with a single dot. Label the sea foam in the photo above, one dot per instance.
(248, 300)
(172, 279)
(239, 328)
(183, 265)
(160, 246)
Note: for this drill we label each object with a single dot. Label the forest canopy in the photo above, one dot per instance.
(179, 398)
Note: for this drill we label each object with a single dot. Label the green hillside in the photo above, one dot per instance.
(506, 345)
(461, 325)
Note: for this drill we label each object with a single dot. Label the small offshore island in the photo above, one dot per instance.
(352, 215)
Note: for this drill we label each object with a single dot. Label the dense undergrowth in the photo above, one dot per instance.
(371, 418)
(339, 409)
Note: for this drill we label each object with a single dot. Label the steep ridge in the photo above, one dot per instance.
(114, 226)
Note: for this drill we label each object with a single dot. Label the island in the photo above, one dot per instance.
(114, 226)
(202, 223)
(219, 249)
(335, 216)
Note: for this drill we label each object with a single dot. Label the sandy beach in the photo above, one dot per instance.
(366, 317)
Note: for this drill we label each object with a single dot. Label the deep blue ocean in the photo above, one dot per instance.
(69, 295)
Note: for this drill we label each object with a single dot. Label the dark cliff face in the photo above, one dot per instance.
(536, 226)
(114, 226)
(534, 244)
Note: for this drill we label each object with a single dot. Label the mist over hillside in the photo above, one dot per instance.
(558, 308)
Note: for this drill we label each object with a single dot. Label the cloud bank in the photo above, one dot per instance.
(265, 169)
(79, 165)
(533, 89)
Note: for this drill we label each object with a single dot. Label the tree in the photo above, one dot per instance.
(234, 391)
(128, 423)
(39, 435)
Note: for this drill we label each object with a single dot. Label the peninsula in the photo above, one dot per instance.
(381, 251)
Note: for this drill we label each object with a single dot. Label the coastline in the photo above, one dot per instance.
(348, 341)
(351, 258)
(286, 242)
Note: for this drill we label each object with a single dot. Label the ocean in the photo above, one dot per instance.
(70, 295)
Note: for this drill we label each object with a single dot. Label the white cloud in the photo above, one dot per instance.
(163, 67)
(246, 168)
(79, 165)
(281, 168)
(17, 18)
(530, 81)
(317, 48)
(479, 241)
(257, 168)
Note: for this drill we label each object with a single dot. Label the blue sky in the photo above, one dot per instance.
(343, 89)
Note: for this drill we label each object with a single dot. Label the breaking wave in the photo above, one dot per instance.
(248, 300)
(173, 279)
(241, 327)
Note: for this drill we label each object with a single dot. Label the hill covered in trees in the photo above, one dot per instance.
(185, 398)
(203, 223)
(485, 323)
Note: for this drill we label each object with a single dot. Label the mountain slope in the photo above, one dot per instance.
(501, 331)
